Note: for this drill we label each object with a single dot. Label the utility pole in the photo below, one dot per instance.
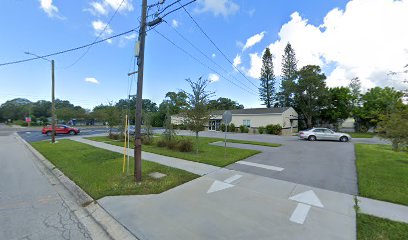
(138, 115)
(53, 101)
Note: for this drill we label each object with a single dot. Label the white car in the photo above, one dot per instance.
(314, 134)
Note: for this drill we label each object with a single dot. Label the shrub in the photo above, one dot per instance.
(161, 143)
(261, 130)
(274, 129)
(223, 127)
(172, 144)
(147, 140)
(232, 127)
(114, 136)
(185, 145)
(243, 129)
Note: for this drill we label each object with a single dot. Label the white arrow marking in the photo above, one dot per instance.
(308, 197)
(218, 186)
(300, 213)
(233, 178)
(279, 169)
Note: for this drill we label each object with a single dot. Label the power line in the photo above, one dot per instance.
(68, 50)
(182, 6)
(196, 59)
(100, 34)
(205, 55)
(222, 53)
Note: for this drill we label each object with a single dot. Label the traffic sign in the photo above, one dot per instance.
(28, 119)
(227, 117)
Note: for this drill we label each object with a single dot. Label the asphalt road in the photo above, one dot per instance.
(324, 164)
(36, 135)
(31, 205)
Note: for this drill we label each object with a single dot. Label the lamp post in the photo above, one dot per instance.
(52, 93)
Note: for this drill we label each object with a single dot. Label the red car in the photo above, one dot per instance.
(60, 129)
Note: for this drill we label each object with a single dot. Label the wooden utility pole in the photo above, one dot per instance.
(53, 101)
(138, 115)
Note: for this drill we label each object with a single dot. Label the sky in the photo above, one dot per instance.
(360, 38)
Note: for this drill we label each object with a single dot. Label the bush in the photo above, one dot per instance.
(161, 143)
(274, 129)
(243, 129)
(261, 130)
(185, 145)
(147, 140)
(223, 127)
(232, 127)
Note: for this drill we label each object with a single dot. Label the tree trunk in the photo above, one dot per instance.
(395, 145)
(197, 142)
(309, 122)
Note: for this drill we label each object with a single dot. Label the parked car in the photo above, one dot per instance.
(60, 129)
(314, 134)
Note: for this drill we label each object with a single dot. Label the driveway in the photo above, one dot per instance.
(324, 164)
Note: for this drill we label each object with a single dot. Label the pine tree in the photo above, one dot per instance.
(289, 74)
(267, 89)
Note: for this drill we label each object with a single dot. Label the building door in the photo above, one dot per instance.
(212, 125)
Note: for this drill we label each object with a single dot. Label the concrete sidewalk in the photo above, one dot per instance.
(383, 209)
(193, 167)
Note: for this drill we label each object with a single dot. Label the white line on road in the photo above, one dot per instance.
(233, 178)
(279, 169)
(300, 213)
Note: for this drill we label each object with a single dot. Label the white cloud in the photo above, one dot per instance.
(103, 7)
(49, 8)
(99, 8)
(217, 7)
(91, 80)
(130, 36)
(213, 77)
(99, 27)
(213, 55)
(174, 23)
(253, 40)
(237, 60)
(367, 40)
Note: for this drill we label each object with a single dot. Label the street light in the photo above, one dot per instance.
(52, 93)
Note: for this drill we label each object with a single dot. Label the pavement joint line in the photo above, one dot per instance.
(111, 227)
(269, 167)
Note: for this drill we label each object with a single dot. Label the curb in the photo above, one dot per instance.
(112, 228)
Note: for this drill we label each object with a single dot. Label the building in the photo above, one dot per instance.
(253, 118)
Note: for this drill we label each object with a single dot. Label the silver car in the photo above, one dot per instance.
(314, 134)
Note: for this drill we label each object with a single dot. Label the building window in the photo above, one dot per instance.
(247, 123)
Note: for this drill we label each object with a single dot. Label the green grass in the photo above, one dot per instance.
(362, 135)
(374, 228)
(266, 144)
(99, 172)
(382, 173)
(208, 154)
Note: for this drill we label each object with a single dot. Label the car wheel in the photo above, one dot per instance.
(72, 132)
(312, 138)
(344, 139)
(49, 133)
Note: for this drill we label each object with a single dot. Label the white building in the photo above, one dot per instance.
(253, 118)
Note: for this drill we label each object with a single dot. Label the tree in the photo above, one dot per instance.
(289, 74)
(267, 89)
(197, 112)
(378, 102)
(224, 104)
(311, 93)
(109, 114)
(15, 109)
(395, 128)
(42, 108)
(339, 105)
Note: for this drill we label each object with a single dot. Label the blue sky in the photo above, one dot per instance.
(315, 28)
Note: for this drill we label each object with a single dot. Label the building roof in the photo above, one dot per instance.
(253, 111)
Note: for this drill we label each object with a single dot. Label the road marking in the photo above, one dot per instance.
(308, 197)
(300, 213)
(279, 169)
(218, 186)
(233, 178)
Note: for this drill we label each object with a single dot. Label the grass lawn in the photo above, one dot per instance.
(99, 171)
(382, 173)
(266, 144)
(374, 228)
(362, 135)
(209, 154)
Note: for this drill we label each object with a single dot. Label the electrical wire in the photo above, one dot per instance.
(68, 50)
(213, 43)
(100, 34)
(196, 59)
(207, 57)
(182, 6)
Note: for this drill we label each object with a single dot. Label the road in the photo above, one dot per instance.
(35, 135)
(32, 205)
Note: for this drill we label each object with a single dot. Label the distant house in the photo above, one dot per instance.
(253, 118)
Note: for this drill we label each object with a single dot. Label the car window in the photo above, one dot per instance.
(318, 130)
